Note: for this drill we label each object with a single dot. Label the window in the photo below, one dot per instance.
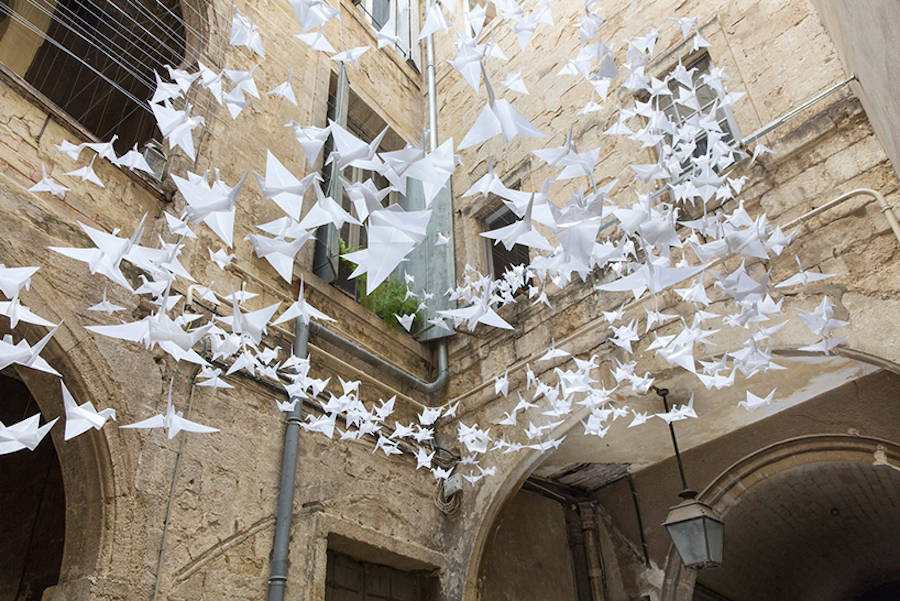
(405, 23)
(350, 579)
(108, 52)
(681, 116)
(498, 258)
(365, 124)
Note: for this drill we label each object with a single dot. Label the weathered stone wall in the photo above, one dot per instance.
(541, 566)
(220, 527)
(119, 483)
(779, 55)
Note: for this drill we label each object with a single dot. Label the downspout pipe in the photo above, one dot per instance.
(443, 361)
(429, 389)
(278, 570)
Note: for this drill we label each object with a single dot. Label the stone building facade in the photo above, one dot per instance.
(125, 514)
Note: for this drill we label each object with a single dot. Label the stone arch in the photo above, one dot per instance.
(489, 502)
(493, 503)
(87, 472)
(734, 483)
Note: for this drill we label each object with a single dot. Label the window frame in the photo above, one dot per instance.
(695, 60)
(17, 83)
(408, 42)
(490, 221)
(356, 107)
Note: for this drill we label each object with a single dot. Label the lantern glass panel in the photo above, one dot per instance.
(689, 538)
(715, 539)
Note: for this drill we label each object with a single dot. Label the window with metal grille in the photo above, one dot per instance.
(94, 60)
(707, 100)
(405, 19)
(350, 579)
(499, 259)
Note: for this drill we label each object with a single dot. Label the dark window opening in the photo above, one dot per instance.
(95, 60)
(351, 579)
(499, 258)
(32, 506)
(707, 99)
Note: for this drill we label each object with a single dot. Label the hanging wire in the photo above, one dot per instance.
(182, 41)
(36, 30)
(270, 31)
(128, 63)
(85, 27)
(129, 68)
(164, 26)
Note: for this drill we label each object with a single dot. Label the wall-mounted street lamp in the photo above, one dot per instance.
(696, 530)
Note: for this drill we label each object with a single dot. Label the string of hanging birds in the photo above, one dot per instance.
(650, 250)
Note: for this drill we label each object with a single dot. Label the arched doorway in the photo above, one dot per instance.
(814, 517)
(32, 506)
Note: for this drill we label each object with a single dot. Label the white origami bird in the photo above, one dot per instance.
(424, 458)
(498, 117)
(351, 55)
(220, 257)
(311, 139)
(301, 309)
(281, 186)
(279, 252)
(132, 160)
(13, 279)
(804, 277)
(165, 91)
(350, 151)
(177, 126)
(159, 329)
(243, 81)
(70, 150)
(755, 402)
(514, 82)
(17, 312)
(48, 184)
(284, 89)
(26, 355)
(235, 101)
(26, 434)
(501, 385)
(430, 415)
(316, 41)
(109, 253)
(434, 21)
(251, 325)
(81, 418)
(313, 13)
(387, 35)
(245, 33)
(87, 174)
(106, 306)
(213, 205)
(521, 232)
(406, 320)
(173, 421)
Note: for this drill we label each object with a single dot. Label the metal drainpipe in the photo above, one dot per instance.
(428, 388)
(278, 570)
(441, 350)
